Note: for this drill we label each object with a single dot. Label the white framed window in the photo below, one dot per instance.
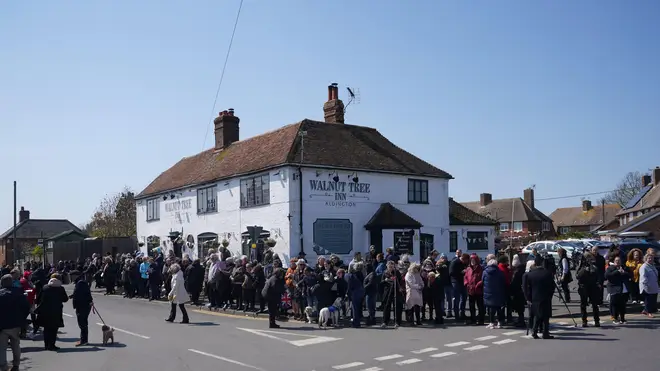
(153, 209)
(564, 230)
(517, 226)
(545, 226)
(504, 227)
(255, 191)
(207, 200)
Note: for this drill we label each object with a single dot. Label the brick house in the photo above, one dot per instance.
(29, 232)
(642, 211)
(516, 217)
(586, 218)
(470, 231)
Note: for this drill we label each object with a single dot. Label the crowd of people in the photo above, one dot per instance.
(492, 291)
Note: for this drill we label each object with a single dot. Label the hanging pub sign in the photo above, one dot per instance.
(339, 194)
(403, 243)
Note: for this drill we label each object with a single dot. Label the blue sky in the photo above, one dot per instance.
(95, 95)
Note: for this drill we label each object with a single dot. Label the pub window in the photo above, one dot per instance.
(477, 241)
(453, 241)
(207, 200)
(153, 209)
(255, 191)
(418, 191)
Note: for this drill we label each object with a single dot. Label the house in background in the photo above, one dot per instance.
(29, 232)
(517, 218)
(642, 212)
(586, 218)
(470, 231)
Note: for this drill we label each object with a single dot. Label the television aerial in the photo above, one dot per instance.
(354, 94)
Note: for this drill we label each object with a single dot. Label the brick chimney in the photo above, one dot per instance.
(485, 199)
(333, 109)
(23, 214)
(646, 180)
(226, 129)
(586, 205)
(655, 175)
(528, 197)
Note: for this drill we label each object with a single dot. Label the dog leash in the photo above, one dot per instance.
(95, 311)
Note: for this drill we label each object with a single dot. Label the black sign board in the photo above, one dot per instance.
(333, 236)
(403, 243)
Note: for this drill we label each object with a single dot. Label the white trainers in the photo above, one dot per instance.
(499, 326)
(490, 326)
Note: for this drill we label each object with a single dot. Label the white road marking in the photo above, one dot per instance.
(409, 361)
(505, 341)
(347, 365)
(372, 369)
(476, 347)
(425, 350)
(484, 338)
(562, 323)
(226, 360)
(126, 332)
(308, 339)
(458, 344)
(527, 337)
(67, 315)
(444, 354)
(558, 331)
(510, 333)
(387, 358)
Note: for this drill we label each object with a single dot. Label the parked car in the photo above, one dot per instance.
(551, 247)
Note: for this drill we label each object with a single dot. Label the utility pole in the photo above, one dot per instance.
(602, 209)
(13, 237)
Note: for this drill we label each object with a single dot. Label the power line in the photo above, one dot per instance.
(585, 194)
(222, 74)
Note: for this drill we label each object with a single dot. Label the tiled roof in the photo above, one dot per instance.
(637, 221)
(67, 233)
(461, 215)
(650, 199)
(575, 216)
(389, 217)
(501, 210)
(335, 145)
(33, 228)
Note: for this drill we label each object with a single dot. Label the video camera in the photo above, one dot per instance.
(549, 263)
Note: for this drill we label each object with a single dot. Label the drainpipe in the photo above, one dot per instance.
(300, 195)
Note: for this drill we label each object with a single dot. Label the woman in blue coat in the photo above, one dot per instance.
(494, 293)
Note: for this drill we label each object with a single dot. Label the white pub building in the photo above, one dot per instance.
(316, 188)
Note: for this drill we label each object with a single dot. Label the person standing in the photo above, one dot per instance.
(475, 290)
(356, 291)
(565, 274)
(600, 264)
(15, 309)
(617, 277)
(178, 295)
(539, 286)
(49, 310)
(457, 274)
(414, 287)
(82, 303)
(273, 291)
(494, 285)
(648, 285)
(588, 289)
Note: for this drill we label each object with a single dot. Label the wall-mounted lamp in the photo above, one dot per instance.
(226, 183)
(172, 196)
(334, 175)
(318, 173)
(277, 173)
(354, 177)
(165, 198)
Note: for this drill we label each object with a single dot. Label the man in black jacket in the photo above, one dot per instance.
(539, 286)
(82, 303)
(15, 309)
(599, 262)
(457, 274)
(588, 288)
(273, 291)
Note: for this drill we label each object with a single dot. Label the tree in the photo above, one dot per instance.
(626, 189)
(114, 217)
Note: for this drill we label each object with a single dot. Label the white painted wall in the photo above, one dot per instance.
(462, 230)
(229, 221)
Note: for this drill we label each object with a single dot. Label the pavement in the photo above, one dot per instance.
(234, 342)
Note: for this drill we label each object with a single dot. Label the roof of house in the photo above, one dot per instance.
(637, 221)
(575, 216)
(389, 217)
(40, 228)
(647, 197)
(340, 146)
(461, 215)
(67, 233)
(507, 210)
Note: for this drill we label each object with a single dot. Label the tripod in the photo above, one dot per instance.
(561, 297)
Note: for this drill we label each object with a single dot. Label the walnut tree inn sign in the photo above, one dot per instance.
(339, 194)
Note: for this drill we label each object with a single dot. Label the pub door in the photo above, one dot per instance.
(376, 239)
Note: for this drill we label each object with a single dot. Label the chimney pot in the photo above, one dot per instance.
(528, 197)
(586, 205)
(656, 176)
(23, 214)
(485, 199)
(333, 109)
(226, 129)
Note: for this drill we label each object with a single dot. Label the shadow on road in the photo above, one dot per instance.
(586, 338)
(80, 350)
(203, 324)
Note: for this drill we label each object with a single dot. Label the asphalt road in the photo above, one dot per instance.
(219, 341)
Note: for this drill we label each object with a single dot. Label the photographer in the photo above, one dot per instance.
(589, 289)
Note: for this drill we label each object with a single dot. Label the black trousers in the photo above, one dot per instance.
(541, 323)
(50, 337)
(273, 310)
(585, 300)
(476, 302)
(619, 303)
(82, 316)
(154, 290)
(194, 296)
(184, 312)
(398, 309)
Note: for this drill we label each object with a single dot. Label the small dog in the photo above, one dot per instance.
(330, 313)
(309, 313)
(108, 334)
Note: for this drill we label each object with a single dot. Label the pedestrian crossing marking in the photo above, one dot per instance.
(505, 341)
(476, 347)
(306, 341)
(484, 338)
(425, 350)
(347, 365)
(387, 358)
(409, 361)
(458, 344)
(442, 355)
(510, 333)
